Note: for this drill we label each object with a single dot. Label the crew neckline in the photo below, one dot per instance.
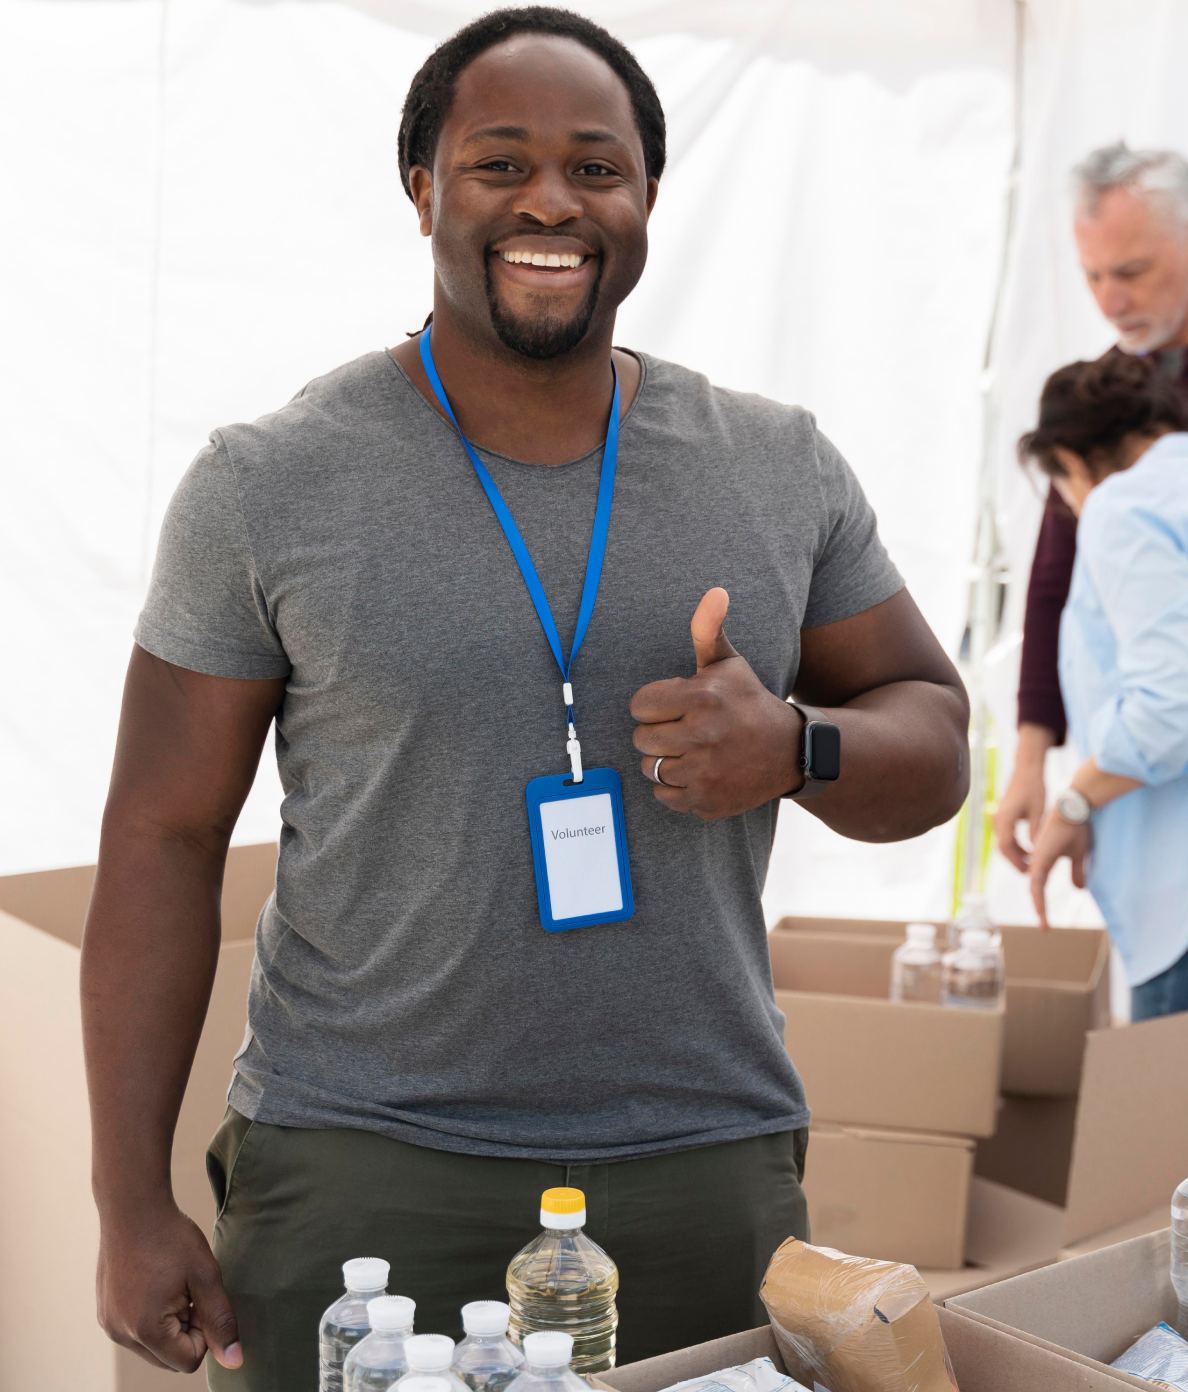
(486, 453)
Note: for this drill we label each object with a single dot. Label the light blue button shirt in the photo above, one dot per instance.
(1124, 677)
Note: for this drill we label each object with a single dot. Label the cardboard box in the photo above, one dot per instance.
(1058, 988)
(867, 1062)
(1115, 1153)
(1090, 1309)
(900, 1196)
(49, 1231)
(984, 1359)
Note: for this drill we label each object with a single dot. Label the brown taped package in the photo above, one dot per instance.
(851, 1324)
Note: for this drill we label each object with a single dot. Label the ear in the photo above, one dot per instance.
(420, 181)
(653, 190)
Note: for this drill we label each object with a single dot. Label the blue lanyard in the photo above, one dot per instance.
(602, 514)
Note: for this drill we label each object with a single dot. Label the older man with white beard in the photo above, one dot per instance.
(1131, 229)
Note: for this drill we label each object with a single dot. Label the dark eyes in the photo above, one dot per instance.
(592, 168)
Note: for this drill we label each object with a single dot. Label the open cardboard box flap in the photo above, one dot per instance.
(984, 1358)
(1058, 988)
(47, 1214)
(867, 1062)
(1090, 1309)
(1118, 1150)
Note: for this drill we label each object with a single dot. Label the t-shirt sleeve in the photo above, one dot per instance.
(206, 608)
(852, 571)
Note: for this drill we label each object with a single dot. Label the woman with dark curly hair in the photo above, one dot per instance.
(1111, 436)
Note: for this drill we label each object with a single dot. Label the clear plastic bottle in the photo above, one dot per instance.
(916, 973)
(974, 975)
(547, 1355)
(377, 1360)
(430, 1355)
(345, 1322)
(564, 1281)
(1179, 1254)
(486, 1360)
(974, 913)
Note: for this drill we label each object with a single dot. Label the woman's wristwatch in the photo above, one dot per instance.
(820, 752)
(1073, 807)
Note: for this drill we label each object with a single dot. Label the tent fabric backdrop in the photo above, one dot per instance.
(209, 214)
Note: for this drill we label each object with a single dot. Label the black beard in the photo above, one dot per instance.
(543, 338)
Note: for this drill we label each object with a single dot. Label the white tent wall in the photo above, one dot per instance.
(209, 215)
(1096, 71)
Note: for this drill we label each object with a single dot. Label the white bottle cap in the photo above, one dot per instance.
(391, 1313)
(429, 1353)
(924, 933)
(365, 1273)
(976, 939)
(486, 1317)
(549, 1348)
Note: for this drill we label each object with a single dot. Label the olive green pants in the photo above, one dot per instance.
(691, 1233)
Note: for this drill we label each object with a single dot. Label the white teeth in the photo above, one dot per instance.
(570, 259)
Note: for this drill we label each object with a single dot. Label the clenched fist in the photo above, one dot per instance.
(727, 743)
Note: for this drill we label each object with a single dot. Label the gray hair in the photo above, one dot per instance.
(1158, 176)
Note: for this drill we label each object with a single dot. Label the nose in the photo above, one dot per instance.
(547, 197)
(1114, 298)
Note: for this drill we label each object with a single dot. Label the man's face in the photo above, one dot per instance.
(1135, 259)
(538, 201)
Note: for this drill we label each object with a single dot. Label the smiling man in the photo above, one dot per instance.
(479, 582)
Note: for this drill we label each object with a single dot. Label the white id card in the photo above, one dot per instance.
(579, 847)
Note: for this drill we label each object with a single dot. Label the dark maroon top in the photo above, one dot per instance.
(1040, 702)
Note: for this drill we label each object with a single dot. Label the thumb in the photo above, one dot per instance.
(709, 642)
(215, 1317)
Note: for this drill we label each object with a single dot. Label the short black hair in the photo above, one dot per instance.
(431, 93)
(1091, 407)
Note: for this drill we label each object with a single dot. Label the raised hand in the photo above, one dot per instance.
(728, 744)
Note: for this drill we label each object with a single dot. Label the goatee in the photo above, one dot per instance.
(542, 338)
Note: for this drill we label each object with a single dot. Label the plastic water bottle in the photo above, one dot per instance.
(377, 1360)
(974, 974)
(1179, 1254)
(916, 967)
(486, 1360)
(430, 1356)
(547, 1354)
(563, 1280)
(974, 913)
(345, 1322)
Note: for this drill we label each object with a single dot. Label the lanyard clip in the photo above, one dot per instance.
(574, 749)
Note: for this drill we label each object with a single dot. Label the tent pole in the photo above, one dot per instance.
(988, 570)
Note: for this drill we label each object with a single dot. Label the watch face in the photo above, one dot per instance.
(822, 748)
(1073, 807)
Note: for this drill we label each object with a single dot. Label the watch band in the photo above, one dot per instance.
(811, 786)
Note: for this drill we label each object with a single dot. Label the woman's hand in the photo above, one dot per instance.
(1025, 796)
(1057, 838)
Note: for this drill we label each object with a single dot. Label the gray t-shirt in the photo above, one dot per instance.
(403, 983)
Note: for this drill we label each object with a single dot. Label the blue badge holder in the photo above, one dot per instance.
(555, 788)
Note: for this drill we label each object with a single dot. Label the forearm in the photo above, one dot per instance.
(904, 764)
(1032, 748)
(149, 953)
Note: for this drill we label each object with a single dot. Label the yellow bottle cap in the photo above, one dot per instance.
(562, 1201)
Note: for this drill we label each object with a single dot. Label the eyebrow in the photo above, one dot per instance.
(522, 134)
(497, 133)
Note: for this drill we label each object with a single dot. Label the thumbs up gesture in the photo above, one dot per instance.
(726, 742)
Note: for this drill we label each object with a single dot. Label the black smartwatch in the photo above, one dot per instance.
(820, 752)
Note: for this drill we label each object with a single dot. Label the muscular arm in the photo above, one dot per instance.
(730, 744)
(185, 758)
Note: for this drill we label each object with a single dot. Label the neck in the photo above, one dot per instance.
(542, 412)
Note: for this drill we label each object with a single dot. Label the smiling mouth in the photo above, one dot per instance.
(550, 260)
